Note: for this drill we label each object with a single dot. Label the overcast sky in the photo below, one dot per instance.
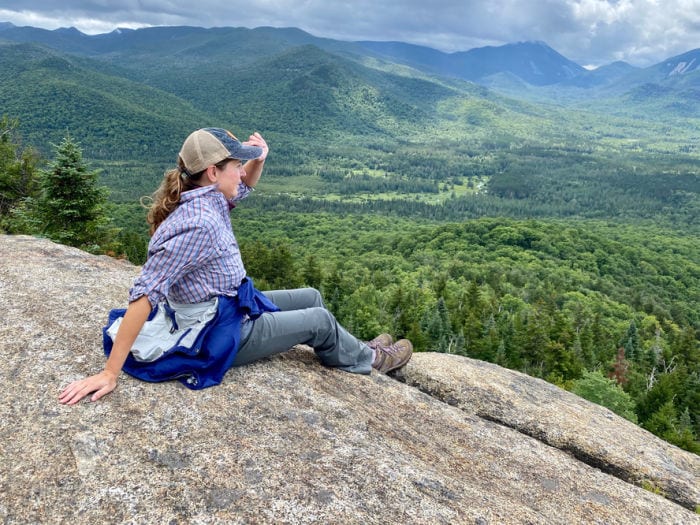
(590, 32)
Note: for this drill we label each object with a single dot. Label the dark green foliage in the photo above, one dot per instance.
(666, 423)
(312, 273)
(71, 206)
(114, 118)
(133, 246)
(18, 178)
(271, 268)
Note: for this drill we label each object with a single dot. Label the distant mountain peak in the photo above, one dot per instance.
(534, 62)
(69, 31)
(620, 63)
(121, 30)
(540, 43)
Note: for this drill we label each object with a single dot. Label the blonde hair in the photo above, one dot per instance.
(167, 197)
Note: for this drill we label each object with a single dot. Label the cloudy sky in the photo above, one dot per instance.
(590, 32)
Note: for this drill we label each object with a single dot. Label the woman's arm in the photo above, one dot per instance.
(103, 383)
(253, 168)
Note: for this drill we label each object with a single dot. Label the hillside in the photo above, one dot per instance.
(350, 97)
(682, 71)
(55, 94)
(534, 63)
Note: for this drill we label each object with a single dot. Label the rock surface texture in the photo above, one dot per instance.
(286, 440)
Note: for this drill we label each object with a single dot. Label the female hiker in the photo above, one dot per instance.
(193, 313)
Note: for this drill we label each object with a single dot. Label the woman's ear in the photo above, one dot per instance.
(211, 174)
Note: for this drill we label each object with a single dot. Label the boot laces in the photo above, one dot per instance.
(391, 349)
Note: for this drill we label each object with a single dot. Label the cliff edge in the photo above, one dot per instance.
(286, 440)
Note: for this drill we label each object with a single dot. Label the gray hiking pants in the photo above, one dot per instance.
(303, 319)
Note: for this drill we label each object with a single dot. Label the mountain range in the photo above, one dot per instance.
(130, 96)
(534, 63)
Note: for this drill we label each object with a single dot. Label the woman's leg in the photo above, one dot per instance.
(303, 320)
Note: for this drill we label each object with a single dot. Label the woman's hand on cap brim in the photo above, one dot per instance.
(257, 140)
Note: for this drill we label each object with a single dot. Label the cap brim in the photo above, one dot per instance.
(236, 149)
(242, 152)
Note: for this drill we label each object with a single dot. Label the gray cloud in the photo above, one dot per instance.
(596, 32)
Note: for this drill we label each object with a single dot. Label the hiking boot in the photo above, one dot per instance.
(380, 340)
(392, 356)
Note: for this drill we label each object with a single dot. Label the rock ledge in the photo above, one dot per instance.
(286, 440)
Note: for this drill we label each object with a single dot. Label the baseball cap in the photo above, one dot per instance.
(208, 146)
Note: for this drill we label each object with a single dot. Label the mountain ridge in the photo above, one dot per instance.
(338, 91)
(548, 67)
(45, 82)
(534, 62)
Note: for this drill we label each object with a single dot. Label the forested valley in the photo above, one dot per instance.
(556, 240)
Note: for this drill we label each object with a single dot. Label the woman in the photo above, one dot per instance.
(192, 311)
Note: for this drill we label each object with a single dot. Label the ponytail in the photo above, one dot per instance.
(167, 197)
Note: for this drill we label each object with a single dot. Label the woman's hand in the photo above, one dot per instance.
(256, 140)
(102, 384)
(254, 168)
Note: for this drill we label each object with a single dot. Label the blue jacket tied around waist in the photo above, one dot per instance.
(204, 362)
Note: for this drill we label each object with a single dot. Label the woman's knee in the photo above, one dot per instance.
(309, 297)
(322, 320)
(315, 296)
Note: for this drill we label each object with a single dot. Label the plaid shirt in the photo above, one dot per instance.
(193, 255)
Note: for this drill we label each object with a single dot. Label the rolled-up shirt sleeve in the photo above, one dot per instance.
(172, 255)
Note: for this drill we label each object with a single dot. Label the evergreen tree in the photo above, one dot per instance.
(603, 350)
(667, 424)
(312, 273)
(631, 342)
(687, 348)
(685, 435)
(72, 207)
(361, 314)
(281, 271)
(333, 287)
(653, 353)
(436, 325)
(560, 364)
(472, 326)
(134, 246)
